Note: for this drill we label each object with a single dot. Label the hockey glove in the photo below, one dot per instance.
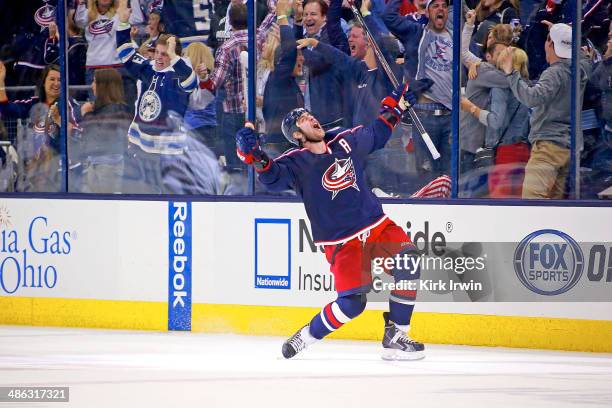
(249, 150)
(394, 105)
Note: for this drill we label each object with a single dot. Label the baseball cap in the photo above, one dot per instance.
(289, 124)
(431, 1)
(561, 36)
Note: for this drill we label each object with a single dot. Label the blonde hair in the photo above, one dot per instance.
(266, 61)
(92, 10)
(199, 53)
(520, 62)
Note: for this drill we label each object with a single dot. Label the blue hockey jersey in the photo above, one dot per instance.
(187, 18)
(338, 201)
(32, 19)
(163, 95)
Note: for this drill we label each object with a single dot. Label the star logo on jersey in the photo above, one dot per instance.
(44, 15)
(101, 27)
(150, 106)
(340, 176)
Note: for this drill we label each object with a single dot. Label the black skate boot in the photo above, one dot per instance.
(397, 345)
(298, 342)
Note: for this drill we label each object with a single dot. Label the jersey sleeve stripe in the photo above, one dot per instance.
(126, 51)
(289, 153)
(344, 133)
(190, 83)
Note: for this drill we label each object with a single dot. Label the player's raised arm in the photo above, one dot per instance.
(275, 176)
(374, 136)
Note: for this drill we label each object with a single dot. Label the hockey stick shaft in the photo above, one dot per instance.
(244, 66)
(391, 75)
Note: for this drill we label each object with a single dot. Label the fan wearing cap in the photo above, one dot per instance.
(347, 219)
(550, 101)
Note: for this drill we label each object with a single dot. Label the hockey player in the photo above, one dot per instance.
(347, 219)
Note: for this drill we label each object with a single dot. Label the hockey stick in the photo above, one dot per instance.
(244, 67)
(381, 59)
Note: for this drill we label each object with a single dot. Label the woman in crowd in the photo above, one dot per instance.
(201, 113)
(105, 125)
(488, 14)
(507, 129)
(8, 162)
(264, 67)
(39, 148)
(98, 19)
(500, 33)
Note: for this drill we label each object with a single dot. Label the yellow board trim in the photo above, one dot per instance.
(87, 313)
(441, 328)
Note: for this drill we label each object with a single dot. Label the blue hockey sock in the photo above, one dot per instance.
(335, 314)
(401, 301)
(400, 313)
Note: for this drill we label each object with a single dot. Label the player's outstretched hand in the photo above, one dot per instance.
(394, 103)
(249, 150)
(246, 142)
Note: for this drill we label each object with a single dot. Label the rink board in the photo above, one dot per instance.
(106, 263)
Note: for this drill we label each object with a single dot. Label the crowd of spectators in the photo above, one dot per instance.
(157, 91)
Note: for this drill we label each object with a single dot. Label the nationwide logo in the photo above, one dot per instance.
(340, 176)
(267, 282)
(548, 262)
(272, 253)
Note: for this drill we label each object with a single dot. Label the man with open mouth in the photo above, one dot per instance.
(324, 93)
(428, 54)
(347, 219)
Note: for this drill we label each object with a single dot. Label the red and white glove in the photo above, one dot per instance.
(249, 150)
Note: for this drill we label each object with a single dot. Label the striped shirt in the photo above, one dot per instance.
(228, 71)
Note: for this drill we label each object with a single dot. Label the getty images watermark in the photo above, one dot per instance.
(410, 272)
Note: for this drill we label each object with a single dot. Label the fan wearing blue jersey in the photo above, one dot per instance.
(157, 141)
(347, 219)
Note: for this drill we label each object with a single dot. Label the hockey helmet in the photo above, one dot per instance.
(289, 124)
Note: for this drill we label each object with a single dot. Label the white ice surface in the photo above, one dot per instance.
(143, 369)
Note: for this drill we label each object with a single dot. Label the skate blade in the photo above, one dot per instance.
(398, 355)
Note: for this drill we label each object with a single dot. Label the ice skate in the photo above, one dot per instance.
(397, 345)
(298, 342)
